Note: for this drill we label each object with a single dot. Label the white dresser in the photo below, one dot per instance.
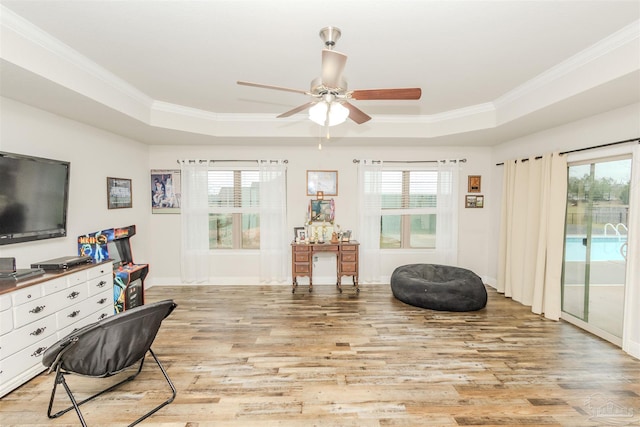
(37, 313)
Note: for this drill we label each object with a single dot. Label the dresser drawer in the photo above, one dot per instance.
(100, 271)
(5, 302)
(100, 284)
(100, 301)
(325, 248)
(349, 268)
(27, 335)
(76, 278)
(25, 359)
(75, 294)
(72, 314)
(349, 256)
(26, 295)
(301, 248)
(6, 321)
(349, 248)
(301, 268)
(86, 307)
(91, 318)
(302, 256)
(52, 286)
(38, 309)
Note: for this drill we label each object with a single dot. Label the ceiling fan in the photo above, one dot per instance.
(330, 104)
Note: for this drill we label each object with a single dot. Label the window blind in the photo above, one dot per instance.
(233, 191)
(409, 191)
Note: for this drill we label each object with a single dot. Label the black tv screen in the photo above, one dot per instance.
(34, 194)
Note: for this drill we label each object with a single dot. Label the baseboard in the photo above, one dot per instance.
(491, 281)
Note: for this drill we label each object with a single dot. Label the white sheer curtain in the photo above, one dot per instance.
(631, 328)
(273, 221)
(447, 211)
(532, 232)
(369, 216)
(195, 222)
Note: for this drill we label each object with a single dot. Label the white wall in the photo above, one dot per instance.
(615, 125)
(94, 155)
(243, 267)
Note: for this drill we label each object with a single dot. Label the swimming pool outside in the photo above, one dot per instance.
(603, 248)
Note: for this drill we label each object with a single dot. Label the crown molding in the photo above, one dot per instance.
(163, 114)
(181, 110)
(34, 34)
(609, 44)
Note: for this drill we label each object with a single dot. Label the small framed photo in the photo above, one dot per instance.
(475, 184)
(320, 195)
(300, 234)
(324, 181)
(474, 201)
(119, 193)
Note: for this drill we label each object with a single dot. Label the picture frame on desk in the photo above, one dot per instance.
(299, 234)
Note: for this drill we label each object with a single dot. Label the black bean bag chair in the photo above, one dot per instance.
(439, 287)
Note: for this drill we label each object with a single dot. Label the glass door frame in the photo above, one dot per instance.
(583, 319)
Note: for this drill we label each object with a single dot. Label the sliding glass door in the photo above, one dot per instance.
(595, 246)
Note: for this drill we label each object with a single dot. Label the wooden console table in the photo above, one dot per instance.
(346, 261)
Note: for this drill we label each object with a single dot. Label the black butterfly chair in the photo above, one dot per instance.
(106, 348)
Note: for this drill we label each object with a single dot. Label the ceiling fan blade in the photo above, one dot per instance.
(304, 92)
(332, 66)
(297, 109)
(376, 94)
(356, 114)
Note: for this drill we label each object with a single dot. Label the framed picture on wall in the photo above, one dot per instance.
(165, 191)
(475, 184)
(119, 193)
(325, 182)
(474, 201)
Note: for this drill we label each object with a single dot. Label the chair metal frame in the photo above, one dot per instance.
(61, 372)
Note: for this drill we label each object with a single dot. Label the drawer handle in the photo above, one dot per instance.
(37, 309)
(38, 352)
(102, 300)
(74, 314)
(38, 331)
(73, 295)
(102, 316)
(101, 284)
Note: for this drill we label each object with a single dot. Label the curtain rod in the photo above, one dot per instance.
(412, 161)
(626, 141)
(219, 161)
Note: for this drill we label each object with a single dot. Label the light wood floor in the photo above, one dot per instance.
(262, 356)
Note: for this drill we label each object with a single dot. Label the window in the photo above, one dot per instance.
(408, 205)
(234, 206)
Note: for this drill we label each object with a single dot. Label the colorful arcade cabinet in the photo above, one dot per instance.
(128, 277)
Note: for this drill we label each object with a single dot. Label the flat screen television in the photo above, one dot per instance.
(34, 196)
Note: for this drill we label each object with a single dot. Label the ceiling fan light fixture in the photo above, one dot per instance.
(318, 113)
(327, 114)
